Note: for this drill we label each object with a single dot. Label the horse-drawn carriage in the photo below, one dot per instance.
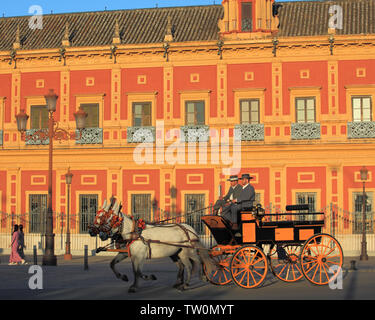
(296, 249)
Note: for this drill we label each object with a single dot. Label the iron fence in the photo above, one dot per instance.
(337, 220)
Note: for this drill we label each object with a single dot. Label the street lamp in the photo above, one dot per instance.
(53, 132)
(364, 255)
(68, 180)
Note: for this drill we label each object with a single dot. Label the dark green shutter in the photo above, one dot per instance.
(92, 110)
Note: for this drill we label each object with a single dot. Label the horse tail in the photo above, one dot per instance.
(206, 259)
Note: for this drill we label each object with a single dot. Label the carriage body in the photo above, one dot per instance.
(255, 231)
(296, 249)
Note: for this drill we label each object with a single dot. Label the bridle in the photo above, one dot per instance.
(106, 224)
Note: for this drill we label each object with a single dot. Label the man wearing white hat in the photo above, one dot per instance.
(233, 193)
(245, 199)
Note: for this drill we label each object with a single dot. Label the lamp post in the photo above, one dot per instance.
(364, 255)
(53, 132)
(68, 180)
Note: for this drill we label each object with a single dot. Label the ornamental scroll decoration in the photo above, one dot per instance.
(249, 132)
(360, 130)
(90, 136)
(41, 136)
(141, 134)
(198, 133)
(306, 131)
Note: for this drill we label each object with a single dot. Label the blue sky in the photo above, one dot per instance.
(21, 7)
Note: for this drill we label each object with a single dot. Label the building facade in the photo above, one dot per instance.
(179, 98)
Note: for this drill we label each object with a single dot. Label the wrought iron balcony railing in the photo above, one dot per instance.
(249, 132)
(140, 134)
(90, 136)
(198, 133)
(37, 139)
(361, 130)
(306, 131)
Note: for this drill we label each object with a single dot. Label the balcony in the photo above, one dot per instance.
(198, 133)
(249, 132)
(35, 139)
(90, 136)
(140, 134)
(361, 130)
(306, 131)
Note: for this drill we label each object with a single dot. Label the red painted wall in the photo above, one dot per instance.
(206, 184)
(154, 82)
(102, 85)
(26, 186)
(207, 81)
(350, 183)
(78, 185)
(347, 76)
(28, 87)
(129, 185)
(318, 78)
(319, 183)
(262, 79)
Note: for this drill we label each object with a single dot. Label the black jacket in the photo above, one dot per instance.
(236, 191)
(247, 197)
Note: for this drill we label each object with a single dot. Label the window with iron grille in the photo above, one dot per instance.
(305, 110)
(247, 16)
(141, 206)
(307, 198)
(92, 110)
(37, 213)
(257, 199)
(358, 212)
(249, 111)
(142, 114)
(88, 207)
(38, 117)
(361, 108)
(195, 113)
(193, 204)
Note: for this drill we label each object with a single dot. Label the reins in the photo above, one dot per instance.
(138, 225)
(180, 216)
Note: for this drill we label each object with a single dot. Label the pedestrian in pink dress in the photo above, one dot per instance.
(14, 255)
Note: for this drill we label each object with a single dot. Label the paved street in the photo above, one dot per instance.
(70, 281)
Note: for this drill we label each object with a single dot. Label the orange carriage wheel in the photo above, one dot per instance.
(249, 267)
(221, 274)
(287, 269)
(321, 259)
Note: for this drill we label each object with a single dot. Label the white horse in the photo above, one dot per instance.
(180, 242)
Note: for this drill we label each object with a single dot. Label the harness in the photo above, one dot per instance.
(139, 225)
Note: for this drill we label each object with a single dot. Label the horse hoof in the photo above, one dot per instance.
(152, 277)
(177, 285)
(181, 287)
(132, 289)
(124, 278)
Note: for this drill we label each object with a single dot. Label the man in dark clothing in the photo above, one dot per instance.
(244, 201)
(233, 193)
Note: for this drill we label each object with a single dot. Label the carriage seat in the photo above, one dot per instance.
(220, 222)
